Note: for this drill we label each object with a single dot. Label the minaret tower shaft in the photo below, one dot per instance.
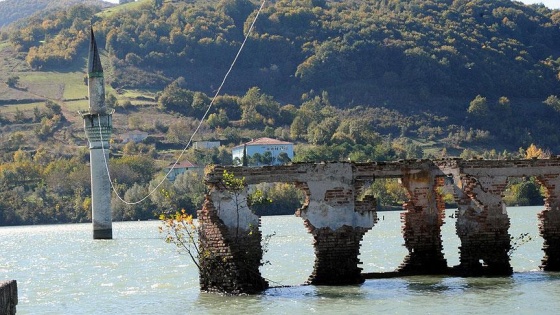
(98, 127)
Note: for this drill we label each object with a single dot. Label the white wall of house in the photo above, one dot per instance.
(182, 168)
(275, 147)
(134, 136)
(206, 144)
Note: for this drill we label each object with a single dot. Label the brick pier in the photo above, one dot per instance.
(336, 255)
(422, 221)
(549, 225)
(230, 252)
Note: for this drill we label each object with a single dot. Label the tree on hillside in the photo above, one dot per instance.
(157, 4)
(219, 119)
(504, 106)
(13, 81)
(523, 193)
(238, 10)
(554, 102)
(478, 106)
(175, 98)
(258, 108)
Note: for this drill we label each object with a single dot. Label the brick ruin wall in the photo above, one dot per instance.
(229, 259)
(482, 227)
(549, 222)
(482, 222)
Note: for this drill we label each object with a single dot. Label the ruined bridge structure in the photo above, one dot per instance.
(338, 215)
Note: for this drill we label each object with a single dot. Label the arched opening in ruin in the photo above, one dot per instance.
(450, 239)
(382, 247)
(287, 245)
(524, 199)
(526, 242)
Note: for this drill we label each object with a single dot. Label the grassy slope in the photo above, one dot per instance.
(123, 7)
(66, 88)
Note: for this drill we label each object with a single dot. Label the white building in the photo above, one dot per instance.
(201, 145)
(263, 151)
(135, 136)
(181, 168)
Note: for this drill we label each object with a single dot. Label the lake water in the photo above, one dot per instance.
(61, 270)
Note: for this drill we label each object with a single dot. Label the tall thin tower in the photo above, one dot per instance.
(98, 127)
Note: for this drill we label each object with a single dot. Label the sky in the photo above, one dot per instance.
(553, 4)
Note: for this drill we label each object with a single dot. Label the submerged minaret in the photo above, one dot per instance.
(98, 127)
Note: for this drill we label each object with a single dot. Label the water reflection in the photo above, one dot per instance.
(210, 303)
(453, 285)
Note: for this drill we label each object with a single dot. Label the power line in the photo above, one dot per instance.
(195, 131)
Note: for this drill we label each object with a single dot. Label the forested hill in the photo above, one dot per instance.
(345, 80)
(14, 10)
(357, 50)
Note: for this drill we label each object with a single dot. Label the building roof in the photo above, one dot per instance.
(264, 141)
(184, 164)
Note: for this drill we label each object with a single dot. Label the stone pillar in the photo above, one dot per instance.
(98, 131)
(8, 297)
(549, 226)
(230, 244)
(337, 227)
(422, 221)
(482, 225)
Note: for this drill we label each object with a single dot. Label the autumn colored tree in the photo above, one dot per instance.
(534, 152)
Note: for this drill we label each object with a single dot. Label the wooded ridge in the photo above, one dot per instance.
(344, 80)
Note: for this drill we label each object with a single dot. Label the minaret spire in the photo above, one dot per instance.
(94, 62)
(96, 82)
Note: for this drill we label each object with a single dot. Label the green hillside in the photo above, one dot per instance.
(357, 50)
(427, 58)
(343, 80)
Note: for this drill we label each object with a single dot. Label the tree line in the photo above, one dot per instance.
(50, 185)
